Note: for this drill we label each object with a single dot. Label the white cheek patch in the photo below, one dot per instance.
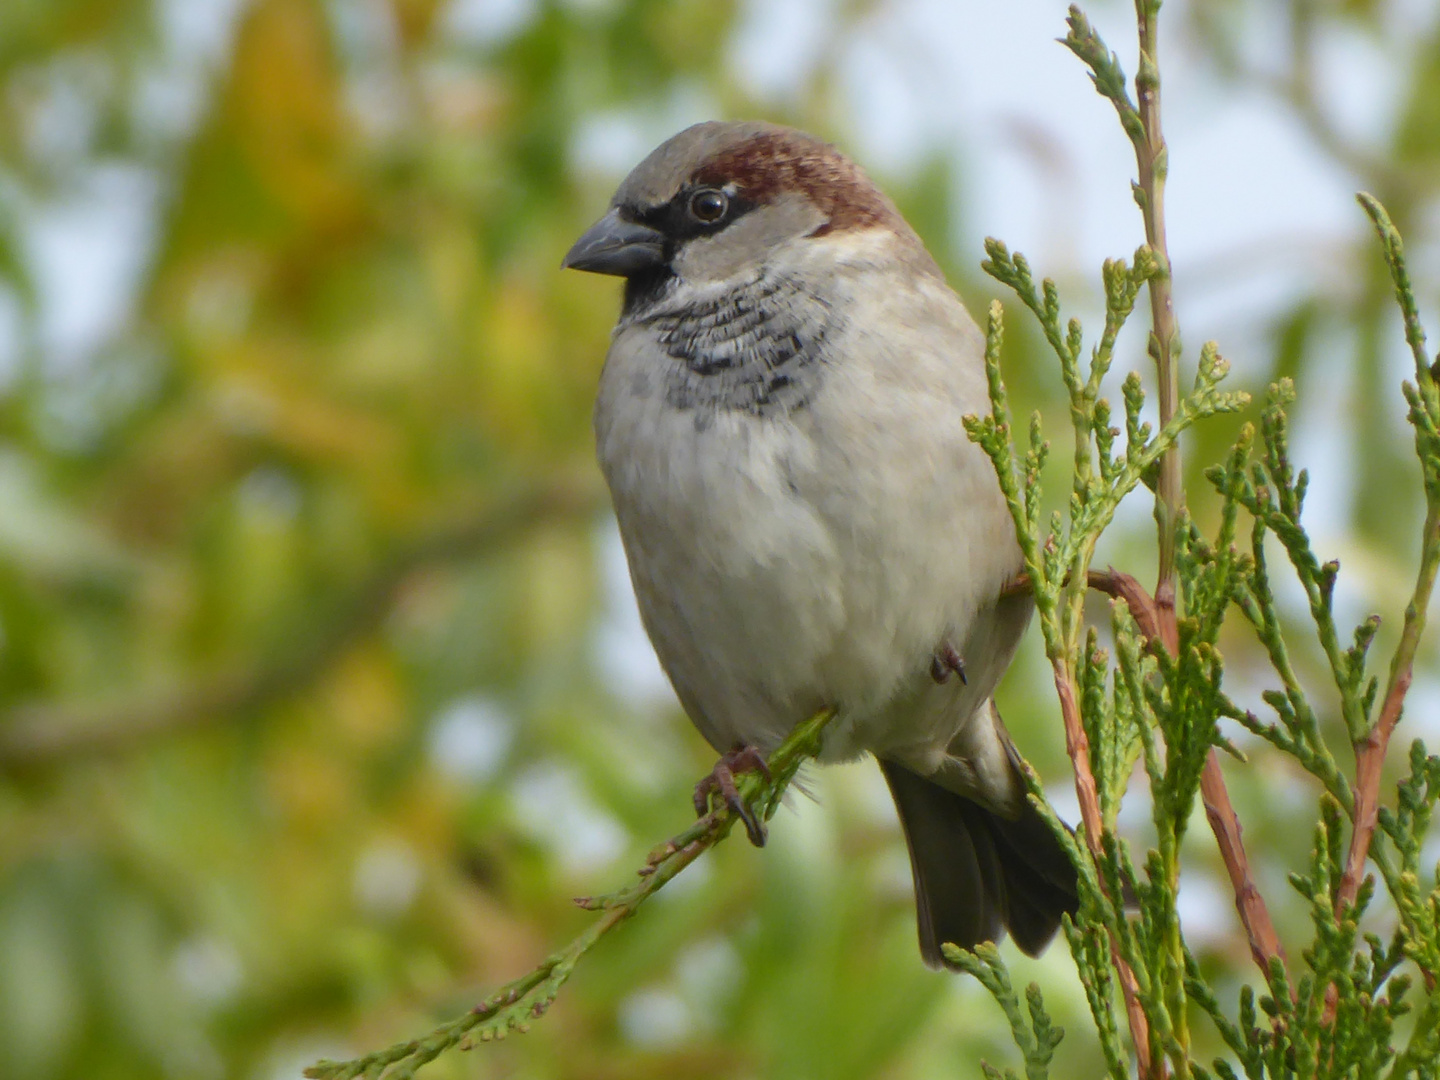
(749, 241)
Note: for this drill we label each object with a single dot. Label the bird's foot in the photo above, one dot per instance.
(946, 660)
(722, 780)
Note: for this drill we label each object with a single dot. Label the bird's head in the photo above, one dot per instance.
(722, 199)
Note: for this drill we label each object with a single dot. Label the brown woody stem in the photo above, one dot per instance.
(1151, 157)
(1159, 625)
(1370, 751)
(1224, 823)
(1077, 745)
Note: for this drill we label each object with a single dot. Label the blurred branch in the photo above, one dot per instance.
(1296, 88)
(513, 1006)
(46, 733)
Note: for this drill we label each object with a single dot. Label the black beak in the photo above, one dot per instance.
(616, 246)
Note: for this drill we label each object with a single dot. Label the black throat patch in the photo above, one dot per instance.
(756, 349)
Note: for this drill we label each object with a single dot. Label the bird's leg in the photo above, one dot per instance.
(722, 780)
(946, 660)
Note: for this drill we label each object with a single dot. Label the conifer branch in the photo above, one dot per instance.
(1142, 124)
(1057, 565)
(1336, 1018)
(1424, 399)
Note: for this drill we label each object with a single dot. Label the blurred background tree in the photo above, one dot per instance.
(321, 689)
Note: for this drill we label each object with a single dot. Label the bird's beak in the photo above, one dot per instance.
(616, 246)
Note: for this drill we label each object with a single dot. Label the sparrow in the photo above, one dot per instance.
(807, 525)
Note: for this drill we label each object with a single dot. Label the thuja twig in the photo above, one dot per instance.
(1052, 561)
(1142, 124)
(1249, 904)
(1077, 745)
(517, 1003)
(1424, 401)
(1224, 822)
(1037, 1036)
(1152, 158)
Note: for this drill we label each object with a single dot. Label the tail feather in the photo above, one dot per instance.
(976, 873)
(1040, 880)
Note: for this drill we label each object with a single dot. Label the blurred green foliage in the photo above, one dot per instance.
(307, 727)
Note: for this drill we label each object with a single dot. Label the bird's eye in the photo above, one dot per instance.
(708, 205)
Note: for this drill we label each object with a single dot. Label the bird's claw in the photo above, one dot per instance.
(946, 660)
(722, 780)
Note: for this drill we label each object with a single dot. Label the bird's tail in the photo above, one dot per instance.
(978, 874)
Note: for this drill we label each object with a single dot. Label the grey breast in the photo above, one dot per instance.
(757, 348)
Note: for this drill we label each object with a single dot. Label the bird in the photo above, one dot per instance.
(779, 420)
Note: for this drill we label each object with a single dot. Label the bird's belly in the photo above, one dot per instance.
(762, 609)
(739, 581)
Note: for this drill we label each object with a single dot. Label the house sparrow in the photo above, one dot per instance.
(806, 522)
